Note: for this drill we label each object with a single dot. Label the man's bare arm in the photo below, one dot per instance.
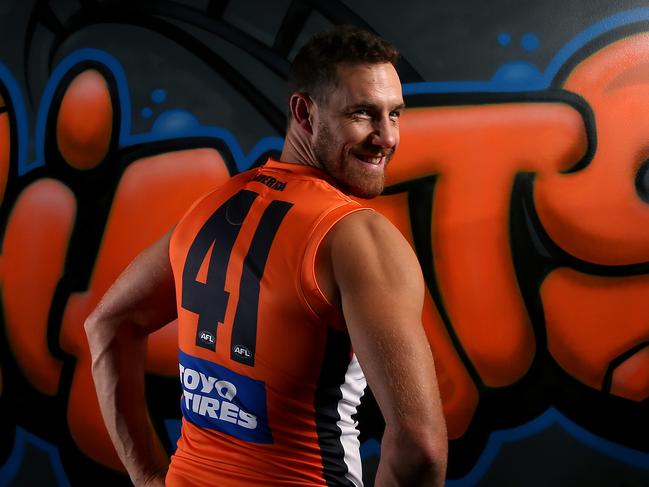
(381, 292)
(140, 301)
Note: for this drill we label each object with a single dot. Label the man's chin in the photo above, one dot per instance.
(359, 184)
(365, 192)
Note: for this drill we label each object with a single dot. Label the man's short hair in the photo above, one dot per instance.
(314, 69)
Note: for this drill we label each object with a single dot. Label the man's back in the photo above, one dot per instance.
(271, 389)
(270, 393)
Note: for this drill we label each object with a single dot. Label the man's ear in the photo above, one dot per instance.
(301, 106)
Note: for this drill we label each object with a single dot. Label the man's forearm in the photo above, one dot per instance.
(118, 362)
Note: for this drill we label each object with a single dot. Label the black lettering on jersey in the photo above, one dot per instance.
(270, 181)
(244, 329)
(210, 299)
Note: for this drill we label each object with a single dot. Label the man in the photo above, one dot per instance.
(283, 286)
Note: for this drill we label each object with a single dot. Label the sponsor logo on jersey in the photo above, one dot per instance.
(217, 398)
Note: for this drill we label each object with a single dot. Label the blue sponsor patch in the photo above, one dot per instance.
(214, 397)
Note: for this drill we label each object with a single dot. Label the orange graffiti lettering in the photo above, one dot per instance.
(450, 191)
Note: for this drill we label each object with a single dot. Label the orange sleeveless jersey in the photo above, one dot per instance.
(269, 379)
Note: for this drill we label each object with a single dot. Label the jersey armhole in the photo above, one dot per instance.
(309, 290)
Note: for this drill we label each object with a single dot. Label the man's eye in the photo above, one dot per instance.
(395, 114)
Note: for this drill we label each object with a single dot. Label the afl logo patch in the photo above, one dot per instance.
(242, 351)
(207, 337)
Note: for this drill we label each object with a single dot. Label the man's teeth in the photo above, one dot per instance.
(371, 160)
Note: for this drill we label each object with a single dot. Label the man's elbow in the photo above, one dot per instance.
(92, 328)
(98, 332)
(430, 456)
(416, 456)
(92, 324)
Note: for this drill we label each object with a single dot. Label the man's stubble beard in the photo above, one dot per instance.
(347, 173)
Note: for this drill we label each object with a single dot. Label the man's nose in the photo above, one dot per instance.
(386, 133)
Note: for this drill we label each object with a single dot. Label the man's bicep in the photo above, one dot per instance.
(381, 290)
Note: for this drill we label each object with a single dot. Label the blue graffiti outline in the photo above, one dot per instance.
(498, 439)
(370, 448)
(20, 113)
(549, 418)
(22, 438)
(173, 427)
(243, 161)
(82, 55)
(126, 138)
(544, 80)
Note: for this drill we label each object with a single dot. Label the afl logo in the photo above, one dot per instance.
(242, 351)
(207, 337)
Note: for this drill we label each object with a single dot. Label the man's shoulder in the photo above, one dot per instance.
(367, 222)
(368, 237)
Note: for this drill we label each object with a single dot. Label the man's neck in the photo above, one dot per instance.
(298, 149)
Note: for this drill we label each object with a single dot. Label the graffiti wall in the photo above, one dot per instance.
(522, 183)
